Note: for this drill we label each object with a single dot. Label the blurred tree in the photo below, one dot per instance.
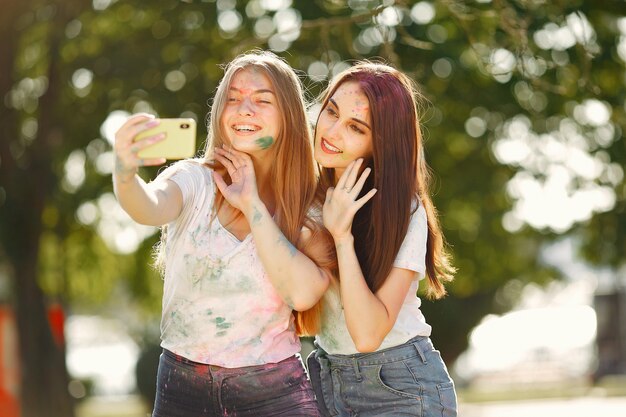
(522, 95)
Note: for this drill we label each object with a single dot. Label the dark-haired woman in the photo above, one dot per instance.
(374, 356)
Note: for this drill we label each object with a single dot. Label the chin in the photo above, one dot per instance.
(242, 145)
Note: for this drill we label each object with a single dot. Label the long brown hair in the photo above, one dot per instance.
(293, 173)
(399, 173)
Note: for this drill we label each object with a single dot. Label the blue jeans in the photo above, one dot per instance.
(190, 389)
(406, 380)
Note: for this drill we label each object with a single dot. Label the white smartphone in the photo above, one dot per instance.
(179, 143)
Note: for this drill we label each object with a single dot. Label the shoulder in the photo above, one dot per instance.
(193, 166)
(192, 176)
(187, 170)
(418, 212)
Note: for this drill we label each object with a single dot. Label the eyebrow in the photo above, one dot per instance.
(254, 92)
(352, 118)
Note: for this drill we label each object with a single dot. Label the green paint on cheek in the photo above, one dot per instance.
(265, 142)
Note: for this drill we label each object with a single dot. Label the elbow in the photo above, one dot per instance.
(303, 304)
(305, 300)
(367, 344)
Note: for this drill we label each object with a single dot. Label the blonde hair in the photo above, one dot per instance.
(293, 174)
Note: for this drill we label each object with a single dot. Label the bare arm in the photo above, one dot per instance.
(152, 204)
(369, 316)
(299, 281)
(296, 277)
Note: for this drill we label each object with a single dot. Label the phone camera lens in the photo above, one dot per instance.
(184, 126)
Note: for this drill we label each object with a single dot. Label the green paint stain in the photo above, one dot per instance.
(265, 142)
(221, 323)
(289, 302)
(245, 283)
(257, 216)
(282, 240)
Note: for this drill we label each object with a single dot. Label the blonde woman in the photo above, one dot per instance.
(237, 230)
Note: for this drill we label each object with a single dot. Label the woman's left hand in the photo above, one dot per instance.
(341, 204)
(243, 189)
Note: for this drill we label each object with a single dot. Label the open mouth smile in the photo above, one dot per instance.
(245, 128)
(328, 147)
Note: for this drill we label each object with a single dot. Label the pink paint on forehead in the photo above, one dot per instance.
(361, 104)
(355, 100)
(248, 81)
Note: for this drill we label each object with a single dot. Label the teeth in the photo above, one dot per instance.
(245, 128)
(331, 147)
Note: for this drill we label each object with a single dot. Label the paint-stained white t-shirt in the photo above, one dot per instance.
(219, 306)
(334, 337)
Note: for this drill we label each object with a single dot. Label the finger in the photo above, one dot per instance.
(151, 162)
(329, 194)
(342, 180)
(141, 127)
(138, 118)
(149, 141)
(359, 185)
(219, 181)
(135, 120)
(354, 172)
(224, 153)
(367, 197)
(245, 159)
(227, 163)
(236, 156)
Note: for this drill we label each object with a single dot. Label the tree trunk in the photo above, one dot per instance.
(26, 180)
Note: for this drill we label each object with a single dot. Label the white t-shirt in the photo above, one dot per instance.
(334, 337)
(219, 306)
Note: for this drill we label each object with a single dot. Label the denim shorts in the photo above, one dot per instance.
(406, 380)
(190, 389)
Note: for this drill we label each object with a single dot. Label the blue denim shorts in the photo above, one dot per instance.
(406, 380)
(190, 389)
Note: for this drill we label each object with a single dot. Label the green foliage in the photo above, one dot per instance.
(163, 56)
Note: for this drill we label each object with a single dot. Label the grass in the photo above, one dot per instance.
(610, 386)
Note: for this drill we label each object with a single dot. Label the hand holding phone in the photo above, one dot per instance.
(179, 142)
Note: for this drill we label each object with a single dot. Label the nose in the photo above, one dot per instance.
(245, 107)
(332, 130)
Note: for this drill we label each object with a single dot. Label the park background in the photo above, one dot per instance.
(523, 130)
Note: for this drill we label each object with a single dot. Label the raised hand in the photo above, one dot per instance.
(243, 190)
(341, 204)
(126, 160)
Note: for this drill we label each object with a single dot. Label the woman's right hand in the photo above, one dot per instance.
(341, 204)
(126, 160)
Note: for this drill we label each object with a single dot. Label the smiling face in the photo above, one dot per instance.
(251, 118)
(343, 132)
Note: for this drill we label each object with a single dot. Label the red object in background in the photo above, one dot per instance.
(56, 318)
(9, 364)
(9, 355)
